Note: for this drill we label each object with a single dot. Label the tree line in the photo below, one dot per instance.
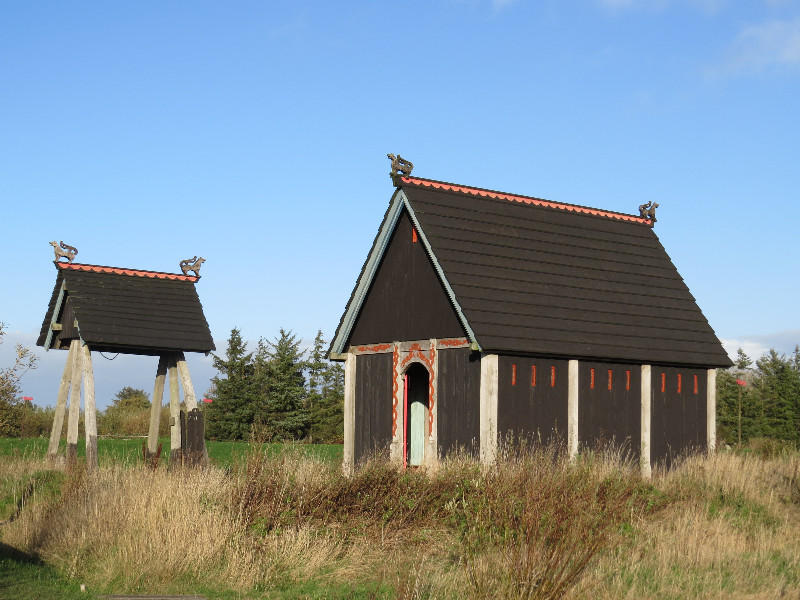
(760, 399)
(277, 391)
(282, 392)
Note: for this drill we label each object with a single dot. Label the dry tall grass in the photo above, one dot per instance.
(731, 529)
(533, 526)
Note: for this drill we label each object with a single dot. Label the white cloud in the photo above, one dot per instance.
(758, 48)
(757, 345)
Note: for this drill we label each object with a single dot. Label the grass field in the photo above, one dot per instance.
(129, 450)
(282, 522)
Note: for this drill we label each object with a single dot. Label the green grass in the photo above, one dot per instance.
(129, 450)
(23, 577)
(16, 493)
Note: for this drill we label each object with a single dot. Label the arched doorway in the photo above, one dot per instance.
(415, 419)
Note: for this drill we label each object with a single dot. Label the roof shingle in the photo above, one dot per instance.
(129, 310)
(545, 278)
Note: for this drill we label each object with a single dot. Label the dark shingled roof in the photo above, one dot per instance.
(532, 276)
(127, 310)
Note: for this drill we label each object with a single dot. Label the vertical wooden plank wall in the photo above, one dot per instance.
(458, 400)
(532, 403)
(679, 412)
(406, 300)
(610, 406)
(373, 405)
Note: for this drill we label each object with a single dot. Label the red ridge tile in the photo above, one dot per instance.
(524, 199)
(121, 271)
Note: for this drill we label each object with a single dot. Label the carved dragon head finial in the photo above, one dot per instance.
(648, 211)
(63, 250)
(192, 264)
(400, 168)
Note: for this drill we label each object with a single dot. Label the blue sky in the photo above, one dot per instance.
(255, 134)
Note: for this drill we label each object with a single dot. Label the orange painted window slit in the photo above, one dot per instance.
(414, 234)
(513, 374)
(591, 378)
(553, 376)
(663, 382)
(627, 380)
(695, 384)
(533, 375)
(679, 383)
(610, 378)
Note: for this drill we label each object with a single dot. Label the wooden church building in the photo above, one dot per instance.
(480, 317)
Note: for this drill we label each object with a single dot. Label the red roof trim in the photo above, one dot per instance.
(118, 271)
(524, 199)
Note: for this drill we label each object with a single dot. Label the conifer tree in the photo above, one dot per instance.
(316, 372)
(234, 394)
(778, 387)
(325, 396)
(286, 415)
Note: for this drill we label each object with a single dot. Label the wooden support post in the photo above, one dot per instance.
(174, 413)
(89, 411)
(348, 457)
(194, 420)
(711, 410)
(488, 407)
(186, 381)
(155, 409)
(74, 404)
(61, 403)
(647, 402)
(573, 406)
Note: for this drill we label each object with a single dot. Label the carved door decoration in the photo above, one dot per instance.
(416, 443)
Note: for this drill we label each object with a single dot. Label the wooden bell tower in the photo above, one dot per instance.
(127, 311)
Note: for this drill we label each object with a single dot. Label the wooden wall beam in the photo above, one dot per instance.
(572, 408)
(647, 402)
(711, 410)
(488, 407)
(349, 414)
